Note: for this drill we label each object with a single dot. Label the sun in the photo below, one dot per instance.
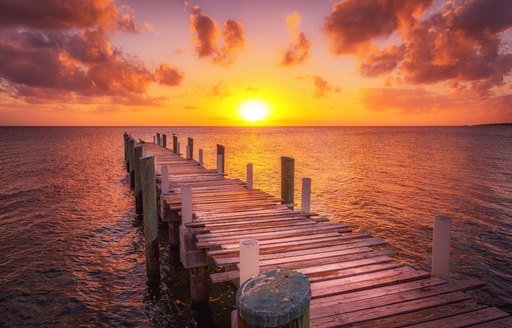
(254, 110)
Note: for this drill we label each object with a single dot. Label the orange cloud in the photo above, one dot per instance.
(207, 34)
(298, 51)
(168, 75)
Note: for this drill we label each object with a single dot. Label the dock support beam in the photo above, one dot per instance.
(221, 159)
(164, 140)
(147, 166)
(138, 180)
(164, 178)
(190, 143)
(306, 196)
(287, 180)
(250, 177)
(286, 295)
(441, 247)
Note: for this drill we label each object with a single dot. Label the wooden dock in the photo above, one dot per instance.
(354, 281)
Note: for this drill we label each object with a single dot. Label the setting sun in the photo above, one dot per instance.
(254, 110)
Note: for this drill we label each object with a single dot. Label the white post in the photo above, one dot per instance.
(306, 195)
(219, 164)
(164, 174)
(250, 182)
(201, 163)
(441, 247)
(178, 148)
(186, 204)
(187, 152)
(249, 259)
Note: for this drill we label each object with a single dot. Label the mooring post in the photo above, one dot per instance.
(201, 162)
(126, 151)
(147, 166)
(187, 152)
(131, 146)
(138, 180)
(441, 247)
(221, 159)
(278, 298)
(178, 151)
(249, 259)
(164, 140)
(250, 182)
(174, 143)
(287, 180)
(164, 177)
(306, 196)
(158, 139)
(186, 204)
(190, 143)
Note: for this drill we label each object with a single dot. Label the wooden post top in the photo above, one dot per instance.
(274, 298)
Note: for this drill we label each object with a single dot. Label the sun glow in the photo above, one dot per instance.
(254, 110)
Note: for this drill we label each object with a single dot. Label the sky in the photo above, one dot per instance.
(312, 63)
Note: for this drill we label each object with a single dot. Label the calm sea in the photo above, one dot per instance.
(71, 245)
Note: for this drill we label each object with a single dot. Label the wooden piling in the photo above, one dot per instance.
(249, 259)
(174, 143)
(178, 150)
(158, 141)
(138, 180)
(287, 180)
(148, 179)
(250, 182)
(221, 159)
(164, 178)
(187, 152)
(441, 247)
(190, 143)
(199, 284)
(278, 298)
(306, 196)
(201, 161)
(126, 137)
(131, 145)
(164, 140)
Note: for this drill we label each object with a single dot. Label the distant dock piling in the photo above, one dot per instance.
(138, 179)
(221, 159)
(174, 143)
(190, 144)
(287, 180)
(164, 140)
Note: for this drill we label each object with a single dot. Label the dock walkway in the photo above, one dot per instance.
(354, 281)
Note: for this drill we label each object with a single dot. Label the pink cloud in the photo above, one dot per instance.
(298, 51)
(168, 75)
(206, 35)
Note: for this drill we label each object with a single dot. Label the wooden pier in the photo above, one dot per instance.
(354, 281)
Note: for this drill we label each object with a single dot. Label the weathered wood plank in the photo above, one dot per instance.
(464, 320)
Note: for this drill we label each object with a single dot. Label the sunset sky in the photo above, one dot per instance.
(312, 62)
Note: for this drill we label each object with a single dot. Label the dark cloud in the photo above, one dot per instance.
(353, 24)
(461, 43)
(168, 75)
(58, 14)
(56, 54)
(298, 51)
(383, 62)
(207, 34)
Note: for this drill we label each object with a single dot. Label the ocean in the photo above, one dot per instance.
(71, 245)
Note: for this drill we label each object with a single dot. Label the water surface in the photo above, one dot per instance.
(71, 245)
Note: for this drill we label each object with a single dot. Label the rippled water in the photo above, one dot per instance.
(71, 245)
